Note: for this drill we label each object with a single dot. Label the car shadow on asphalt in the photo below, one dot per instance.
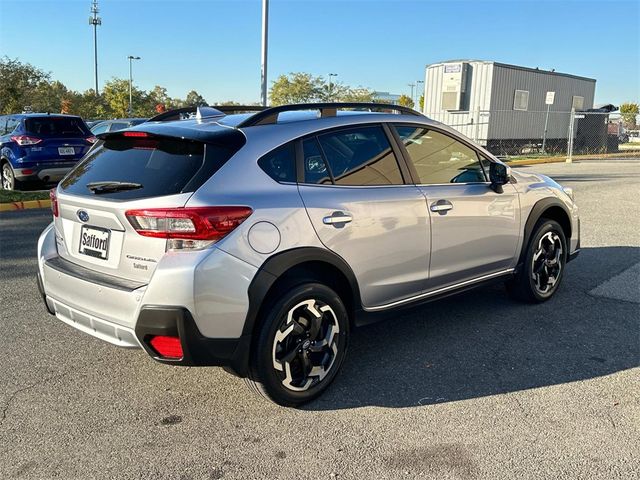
(483, 343)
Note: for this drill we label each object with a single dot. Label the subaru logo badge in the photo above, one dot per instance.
(82, 215)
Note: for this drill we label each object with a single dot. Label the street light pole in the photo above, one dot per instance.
(412, 85)
(265, 39)
(131, 59)
(95, 20)
(330, 86)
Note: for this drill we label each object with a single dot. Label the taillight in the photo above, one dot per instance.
(188, 228)
(92, 139)
(54, 202)
(167, 347)
(25, 140)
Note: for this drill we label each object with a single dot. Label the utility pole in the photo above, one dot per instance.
(330, 85)
(412, 85)
(95, 20)
(265, 39)
(131, 59)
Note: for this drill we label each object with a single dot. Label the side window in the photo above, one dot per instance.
(360, 156)
(521, 100)
(280, 164)
(101, 128)
(439, 158)
(315, 168)
(12, 123)
(3, 125)
(118, 126)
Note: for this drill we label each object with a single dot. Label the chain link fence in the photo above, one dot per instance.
(514, 134)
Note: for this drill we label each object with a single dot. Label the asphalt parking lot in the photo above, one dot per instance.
(474, 386)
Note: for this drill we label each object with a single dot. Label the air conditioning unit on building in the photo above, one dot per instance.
(454, 85)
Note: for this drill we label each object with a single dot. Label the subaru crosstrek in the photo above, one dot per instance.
(258, 241)
(39, 147)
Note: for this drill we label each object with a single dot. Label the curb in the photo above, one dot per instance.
(26, 205)
(536, 161)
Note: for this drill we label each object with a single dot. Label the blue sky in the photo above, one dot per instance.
(214, 46)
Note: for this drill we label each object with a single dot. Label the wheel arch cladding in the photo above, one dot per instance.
(286, 269)
(549, 208)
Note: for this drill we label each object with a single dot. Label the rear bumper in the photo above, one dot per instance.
(47, 172)
(128, 314)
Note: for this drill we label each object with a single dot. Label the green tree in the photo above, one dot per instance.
(19, 83)
(89, 106)
(296, 87)
(116, 98)
(405, 101)
(421, 103)
(195, 99)
(359, 94)
(629, 112)
(50, 97)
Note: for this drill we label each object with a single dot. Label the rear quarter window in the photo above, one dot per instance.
(280, 164)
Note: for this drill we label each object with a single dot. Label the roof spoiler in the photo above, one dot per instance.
(270, 115)
(203, 112)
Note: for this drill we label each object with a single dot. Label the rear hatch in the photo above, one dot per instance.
(129, 171)
(61, 138)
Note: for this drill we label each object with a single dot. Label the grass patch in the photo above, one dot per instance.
(8, 196)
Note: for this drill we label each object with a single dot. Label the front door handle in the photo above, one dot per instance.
(337, 219)
(441, 206)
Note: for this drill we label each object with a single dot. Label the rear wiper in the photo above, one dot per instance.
(112, 186)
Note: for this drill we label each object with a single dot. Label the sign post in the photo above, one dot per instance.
(548, 101)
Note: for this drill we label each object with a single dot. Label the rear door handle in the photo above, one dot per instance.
(441, 206)
(337, 219)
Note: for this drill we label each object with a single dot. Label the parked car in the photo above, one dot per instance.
(259, 241)
(116, 124)
(91, 123)
(39, 147)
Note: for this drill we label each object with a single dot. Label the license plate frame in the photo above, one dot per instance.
(86, 247)
(66, 151)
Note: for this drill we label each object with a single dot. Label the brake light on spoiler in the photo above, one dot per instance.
(136, 134)
(188, 228)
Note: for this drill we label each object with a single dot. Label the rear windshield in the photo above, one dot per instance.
(161, 166)
(57, 127)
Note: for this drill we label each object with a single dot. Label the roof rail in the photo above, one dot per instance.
(328, 109)
(203, 112)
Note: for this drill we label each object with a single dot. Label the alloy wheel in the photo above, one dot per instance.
(7, 178)
(306, 345)
(546, 264)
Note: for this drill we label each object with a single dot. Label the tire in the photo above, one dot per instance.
(544, 263)
(300, 346)
(9, 181)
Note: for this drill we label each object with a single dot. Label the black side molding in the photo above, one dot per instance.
(534, 216)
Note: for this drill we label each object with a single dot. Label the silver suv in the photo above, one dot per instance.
(258, 241)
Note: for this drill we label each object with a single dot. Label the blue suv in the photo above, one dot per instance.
(39, 147)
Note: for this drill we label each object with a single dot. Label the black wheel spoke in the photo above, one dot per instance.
(547, 262)
(291, 354)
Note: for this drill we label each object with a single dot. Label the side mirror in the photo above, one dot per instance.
(499, 174)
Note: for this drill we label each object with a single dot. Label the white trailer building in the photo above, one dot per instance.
(503, 106)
